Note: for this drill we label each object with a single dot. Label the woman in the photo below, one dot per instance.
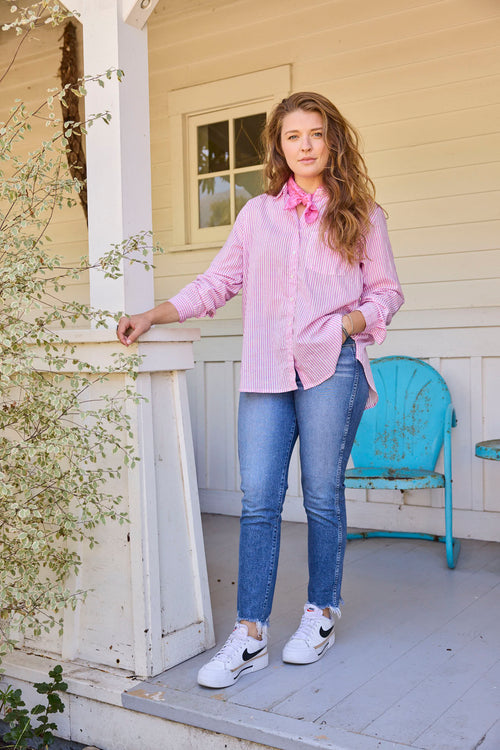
(314, 263)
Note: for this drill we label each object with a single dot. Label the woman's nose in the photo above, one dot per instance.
(306, 144)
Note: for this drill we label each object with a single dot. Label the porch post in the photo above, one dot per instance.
(118, 154)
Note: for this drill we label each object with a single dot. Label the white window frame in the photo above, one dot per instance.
(231, 97)
(207, 234)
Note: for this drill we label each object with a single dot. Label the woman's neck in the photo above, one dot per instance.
(310, 186)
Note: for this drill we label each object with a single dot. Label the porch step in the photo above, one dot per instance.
(216, 714)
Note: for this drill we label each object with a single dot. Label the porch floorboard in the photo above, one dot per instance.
(416, 663)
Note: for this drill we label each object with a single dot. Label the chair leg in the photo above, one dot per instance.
(452, 545)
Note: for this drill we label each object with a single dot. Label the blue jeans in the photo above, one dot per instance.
(326, 417)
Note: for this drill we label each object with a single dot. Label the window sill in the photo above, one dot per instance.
(213, 245)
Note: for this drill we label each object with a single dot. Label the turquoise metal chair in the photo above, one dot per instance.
(399, 441)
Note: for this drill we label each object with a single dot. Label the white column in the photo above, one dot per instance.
(118, 154)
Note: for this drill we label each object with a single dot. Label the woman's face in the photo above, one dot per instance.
(304, 147)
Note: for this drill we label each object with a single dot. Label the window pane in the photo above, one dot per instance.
(247, 132)
(213, 147)
(247, 185)
(214, 202)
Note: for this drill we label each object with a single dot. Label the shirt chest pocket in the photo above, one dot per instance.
(323, 260)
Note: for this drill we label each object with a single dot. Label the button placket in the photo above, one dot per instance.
(292, 279)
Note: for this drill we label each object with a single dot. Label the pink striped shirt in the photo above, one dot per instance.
(295, 290)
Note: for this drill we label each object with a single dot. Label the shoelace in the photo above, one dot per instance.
(307, 625)
(231, 646)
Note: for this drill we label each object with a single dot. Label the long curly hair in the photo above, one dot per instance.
(351, 193)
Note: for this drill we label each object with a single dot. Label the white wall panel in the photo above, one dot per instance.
(473, 382)
(491, 424)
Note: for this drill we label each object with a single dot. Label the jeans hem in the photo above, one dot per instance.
(262, 627)
(333, 609)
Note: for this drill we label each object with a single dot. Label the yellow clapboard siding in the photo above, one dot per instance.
(478, 92)
(437, 155)
(34, 51)
(395, 68)
(387, 45)
(349, 77)
(23, 82)
(452, 238)
(161, 196)
(63, 232)
(160, 177)
(428, 129)
(435, 268)
(163, 237)
(475, 178)
(200, 22)
(35, 70)
(343, 59)
(451, 55)
(440, 211)
(162, 219)
(189, 263)
(451, 295)
(322, 30)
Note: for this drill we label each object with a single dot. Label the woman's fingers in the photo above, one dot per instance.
(130, 327)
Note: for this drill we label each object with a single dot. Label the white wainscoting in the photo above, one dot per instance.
(464, 345)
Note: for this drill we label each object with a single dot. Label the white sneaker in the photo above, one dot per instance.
(239, 655)
(314, 636)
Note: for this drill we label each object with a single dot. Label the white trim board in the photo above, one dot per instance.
(467, 524)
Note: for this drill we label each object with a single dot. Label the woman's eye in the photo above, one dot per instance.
(319, 134)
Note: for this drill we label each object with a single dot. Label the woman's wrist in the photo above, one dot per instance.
(353, 323)
(164, 313)
(347, 326)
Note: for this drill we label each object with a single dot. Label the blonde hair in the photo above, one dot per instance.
(351, 193)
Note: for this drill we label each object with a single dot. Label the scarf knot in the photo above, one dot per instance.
(297, 195)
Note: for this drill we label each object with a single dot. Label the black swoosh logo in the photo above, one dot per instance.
(325, 633)
(246, 656)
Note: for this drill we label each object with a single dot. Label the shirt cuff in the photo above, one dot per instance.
(375, 323)
(182, 306)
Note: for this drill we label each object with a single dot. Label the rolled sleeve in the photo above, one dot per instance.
(382, 295)
(221, 281)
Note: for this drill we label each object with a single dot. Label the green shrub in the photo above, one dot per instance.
(22, 732)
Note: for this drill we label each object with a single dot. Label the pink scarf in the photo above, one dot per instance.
(297, 195)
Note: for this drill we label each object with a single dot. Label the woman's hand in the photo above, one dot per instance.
(130, 327)
(352, 323)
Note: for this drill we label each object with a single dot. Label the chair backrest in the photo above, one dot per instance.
(405, 429)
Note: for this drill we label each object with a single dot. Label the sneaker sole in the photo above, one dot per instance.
(308, 659)
(226, 680)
